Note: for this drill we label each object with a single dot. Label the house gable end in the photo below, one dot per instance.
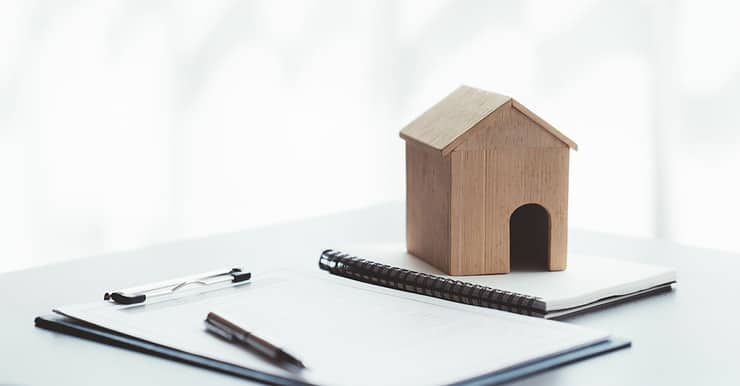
(451, 122)
(508, 127)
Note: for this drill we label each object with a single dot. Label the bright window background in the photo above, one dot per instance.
(127, 123)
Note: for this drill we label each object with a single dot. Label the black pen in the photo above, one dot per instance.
(235, 334)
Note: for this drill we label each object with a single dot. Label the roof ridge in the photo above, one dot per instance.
(444, 125)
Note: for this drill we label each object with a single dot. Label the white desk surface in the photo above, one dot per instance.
(688, 336)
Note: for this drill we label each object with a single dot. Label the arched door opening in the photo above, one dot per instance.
(529, 238)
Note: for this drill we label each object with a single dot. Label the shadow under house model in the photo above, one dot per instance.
(486, 186)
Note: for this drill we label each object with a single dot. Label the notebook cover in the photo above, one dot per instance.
(459, 290)
(87, 331)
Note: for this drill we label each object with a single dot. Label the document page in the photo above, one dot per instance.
(346, 332)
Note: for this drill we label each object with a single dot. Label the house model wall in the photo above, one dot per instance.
(486, 186)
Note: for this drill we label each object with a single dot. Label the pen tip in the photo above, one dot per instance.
(287, 358)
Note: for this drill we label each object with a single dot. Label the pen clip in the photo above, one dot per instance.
(140, 294)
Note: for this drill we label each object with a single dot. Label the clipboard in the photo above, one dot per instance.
(83, 330)
(101, 334)
(91, 332)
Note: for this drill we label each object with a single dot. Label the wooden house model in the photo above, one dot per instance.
(486, 186)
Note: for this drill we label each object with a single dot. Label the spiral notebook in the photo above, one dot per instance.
(589, 283)
(345, 332)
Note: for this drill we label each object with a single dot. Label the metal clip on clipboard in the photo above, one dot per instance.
(140, 294)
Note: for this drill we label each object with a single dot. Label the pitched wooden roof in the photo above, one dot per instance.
(443, 126)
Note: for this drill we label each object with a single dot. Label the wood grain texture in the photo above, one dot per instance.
(508, 127)
(544, 124)
(520, 176)
(487, 187)
(506, 162)
(468, 212)
(460, 196)
(428, 205)
(454, 115)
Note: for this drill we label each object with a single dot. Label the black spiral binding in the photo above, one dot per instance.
(342, 264)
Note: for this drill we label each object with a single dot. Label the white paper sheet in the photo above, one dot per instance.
(346, 332)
